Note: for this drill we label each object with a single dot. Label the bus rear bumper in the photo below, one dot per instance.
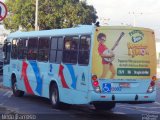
(122, 98)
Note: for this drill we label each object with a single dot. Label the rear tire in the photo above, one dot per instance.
(54, 98)
(104, 105)
(16, 92)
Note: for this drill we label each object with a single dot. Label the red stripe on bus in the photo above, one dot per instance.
(64, 84)
(25, 78)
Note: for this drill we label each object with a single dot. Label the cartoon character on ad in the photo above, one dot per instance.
(107, 55)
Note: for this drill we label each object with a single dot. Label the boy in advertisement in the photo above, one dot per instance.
(106, 66)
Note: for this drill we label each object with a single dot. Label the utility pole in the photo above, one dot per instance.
(134, 17)
(36, 16)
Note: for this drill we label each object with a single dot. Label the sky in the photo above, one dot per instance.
(123, 12)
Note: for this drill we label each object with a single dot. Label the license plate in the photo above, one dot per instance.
(124, 85)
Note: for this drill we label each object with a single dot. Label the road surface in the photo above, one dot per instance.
(40, 108)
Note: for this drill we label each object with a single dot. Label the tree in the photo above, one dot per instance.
(52, 14)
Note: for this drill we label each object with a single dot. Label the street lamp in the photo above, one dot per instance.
(134, 17)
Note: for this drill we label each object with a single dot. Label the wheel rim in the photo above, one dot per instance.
(15, 87)
(54, 96)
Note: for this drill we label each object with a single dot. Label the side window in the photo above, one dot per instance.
(84, 50)
(32, 48)
(59, 50)
(56, 49)
(43, 49)
(7, 50)
(14, 53)
(70, 50)
(22, 48)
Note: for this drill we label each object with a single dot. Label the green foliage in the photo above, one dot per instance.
(52, 14)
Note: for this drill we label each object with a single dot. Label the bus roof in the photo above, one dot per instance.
(80, 29)
(126, 28)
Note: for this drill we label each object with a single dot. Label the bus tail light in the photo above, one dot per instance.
(154, 78)
(95, 84)
(152, 84)
(94, 77)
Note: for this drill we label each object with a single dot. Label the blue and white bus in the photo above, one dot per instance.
(83, 65)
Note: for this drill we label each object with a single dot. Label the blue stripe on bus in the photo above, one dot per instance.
(74, 77)
(38, 78)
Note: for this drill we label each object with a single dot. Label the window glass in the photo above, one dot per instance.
(85, 43)
(7, 50)
(84, 50)
(32, 48)
(44, 43)
(52, 56)
(43, 55)
(60, 43)
(43, 49)
(33, 43)
(14, 52)
(56, 50)
(70, 49)
(20, 43)
(22, 48)
(66, 56)
(71, 43)
(83, 57)
(54, 43)
(59, 56)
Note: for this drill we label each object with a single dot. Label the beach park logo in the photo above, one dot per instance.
(136, 35)
(3, 11)
(135, 48)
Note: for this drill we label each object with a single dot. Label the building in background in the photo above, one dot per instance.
(3, 34)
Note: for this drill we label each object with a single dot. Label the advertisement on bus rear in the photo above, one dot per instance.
(124, 54)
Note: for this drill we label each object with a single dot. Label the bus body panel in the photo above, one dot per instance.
(6, 76)
(74, 81)
(122, 98)
(39, 75)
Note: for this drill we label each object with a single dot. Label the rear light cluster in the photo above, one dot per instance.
(95, 84)
(152, 84)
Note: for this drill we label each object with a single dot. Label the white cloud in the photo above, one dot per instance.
(118, 12)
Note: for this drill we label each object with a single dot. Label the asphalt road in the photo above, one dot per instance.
(40, 108)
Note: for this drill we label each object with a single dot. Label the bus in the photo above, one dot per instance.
(86, 64)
